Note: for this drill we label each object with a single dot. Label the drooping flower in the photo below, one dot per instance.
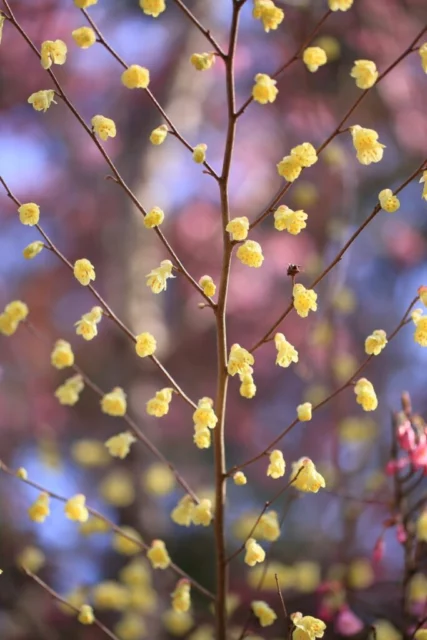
(202, 61)
(84, 271)
(159, 135)
(313, 58)
(29, 214)
(254, 552)
(250, 254)
(375, 342)
(267, 12)
(33, 249)
(199, 153)
(104, 127)
(305, 476)
(263, 612)
(208, 286)
(159, 405)
(52, 52)
(264, 89)
(286, 352)
(304, 411)
(238, 228)
(366, 143)
(75, 508)
(388, 201)
(86, 615)
(158, 555)
(365, 394)
(41, 100)
(289, 220)
(39, 510)
(114, 402)
(145, 344)
(277, 466)
(119, 445)
(69, 392)
(202, 513)
(239, 360)
(152, 7)
(365, 73)
(181, 600)
(340, 5)
(154, 218)
(305, 300)
(157, 278)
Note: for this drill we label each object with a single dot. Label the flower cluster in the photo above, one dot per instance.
(204, 419)
(114, 402)
(188, 512)
(277, 466)
(159, 405)
(270, 15)
(365, 394)
(365, 73)
(13, 313)
(69, 392)
(286, 353)
(119, 445)
(87, 327)
(302, 156)
(208, 286)
(305, 476)
(289, 220)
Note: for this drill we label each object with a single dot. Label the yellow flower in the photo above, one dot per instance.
(420, 334)
(84, 4)
(119, 445)
(247, 388)
(365, 73)
(158, 555)
(376, 342)
(182, 514)
(208, 286)
(305, 153)
(264, 89)
(202, 437)
(86, 328)
(136, 77)
(313, 58)
(41, 100)
(8, 325)
(305, 300)
(423, 180)
(289, 168)
(75, 508)
(62, 355)
(286, 353)
(268, 527)
(423, 55)
(124, 545)
(29, 214)
(238, 228)
(292, 221)
(22, 473)
(159, 405)
(340, 5)
(199, 153)
(158, 479)
(204, 415)
(86, 615)
(117, 488)
(181, 600)
(263, 612)
(158, 136)
(157, 278)
(84, 37)
(114, 402)
(152, 7)
(178, 624)
(365, 395)
(270, 15)
(52, 52)
(145, 344)
(202, 61)
(250, 254)
(239, 478)
(304, 411)
(31, 558)
(276, 468)
(202, 513)
(254, 552)
(32, 250)
(422, 292)
(104, 127)
(69, 392)
(16, 310)
(39, 510)
(305, 476)
(239, 361)
(154, 218)
(366, 143)
(110, 595)
(421, 527)
(130, 627)
(388, 201)
(84, 271)
(312, 627)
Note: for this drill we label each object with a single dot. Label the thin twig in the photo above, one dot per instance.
(282, 602)
(201, 28)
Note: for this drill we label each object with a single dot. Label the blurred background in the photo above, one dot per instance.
(48, 159)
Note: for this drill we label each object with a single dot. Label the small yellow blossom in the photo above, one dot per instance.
(8, 325)
(104, 127)
(177, 624)
(84, 4)
(305, 476)
(254, 552)
(276, 468)
(340, 5)
(305, 153)
(289, 220)
(264, 89)
(16, 310)
(22, 473)
(29, 214)
(239, 478)
(114, 402)
(157, 278)
(313, 58)
(182, 514)
(204, 415)
(181, 600)
(110, 595)
(202, 513)
(86, 328)
(41, 100)
(131, 627)
(75, 508)
(39, 510)
(33, 249)
(423, 180)
(84, 271)
(421, 527)
(199, 153)
(119, 445)
(268, 527)
(208, 286)
(62, 355)
(117, 488)
(136, 77)
(69, 392)
(289, 168)
(86, 615)
(128, 544)
(250, 254)
(158, 479)
(375, 342)
(158, 555)
(416, 315)
(239, 361)
(270, 15)
(423, 55)
(31, 558)
(158, 135)
(154, 218)
(145, 344)
(311, 627)
(152, 7)
(202, 437)
(52, 52)
(365, 395)
(365, 73)
(304, 411)
(238, 227)
(420, 334)
(286, 353)
(263, 612)
(84, 37)
(305, 300)
(202, 61)
(159, 405)
(366, 143)
(388, 201)
(248, 388)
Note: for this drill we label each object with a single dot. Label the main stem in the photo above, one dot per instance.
(222, 349)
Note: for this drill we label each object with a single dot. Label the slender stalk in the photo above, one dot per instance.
(200, 27)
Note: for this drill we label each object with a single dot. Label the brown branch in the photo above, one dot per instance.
(117, 178)
(96, 514)
(201, 28)
(282, 602)
(107, 309)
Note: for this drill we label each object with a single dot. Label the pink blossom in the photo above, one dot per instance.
(378, 551)
(393, 466)
(347, 623)
(406, 436)
(418, 455)
(401, 534)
